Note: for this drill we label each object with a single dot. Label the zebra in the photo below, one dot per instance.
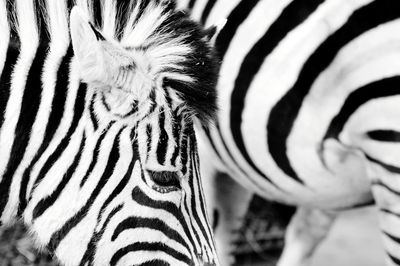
(309, 115)
(98, 100)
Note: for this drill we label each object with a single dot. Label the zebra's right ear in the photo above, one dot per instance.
(87, 48)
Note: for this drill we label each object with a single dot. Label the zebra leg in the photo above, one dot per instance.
(227, 203)
(306, 230)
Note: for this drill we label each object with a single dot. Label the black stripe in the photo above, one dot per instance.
(60, 96)
(163, 138)
(293, 15)
(29, 108)
(384, 135)
(362, 204)
(151, 223)
(168, 97)
(154, 262)
(92, 114)
(216, 218)
(388, 167)
(70, 4)
(191, 4)
(284, 113)
(382, 185)
(394, 259)
(381, 88)
(57, 110)
(149, 134)
(104, 102)
(389, 212)
(40, 6)
(97, 13)
(392, 237)
(95, 155)
(152, 98)
(98, 35)
(397, 240)
(78, 110)
(113, 158)
(184, 148)
(5, 79)
(48, 201)
(152, 247)
(207, 10)
(176, 135)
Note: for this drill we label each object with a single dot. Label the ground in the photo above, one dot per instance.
(354, 239)
(16, 249)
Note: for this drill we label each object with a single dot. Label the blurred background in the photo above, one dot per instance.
(353, 241)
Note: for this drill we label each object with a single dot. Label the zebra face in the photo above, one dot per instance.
(147, 205)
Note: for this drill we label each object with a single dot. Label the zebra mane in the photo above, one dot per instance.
(179, 47)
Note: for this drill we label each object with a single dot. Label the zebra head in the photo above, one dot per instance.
(145, 89)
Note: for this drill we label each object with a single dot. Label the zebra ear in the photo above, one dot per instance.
(85, 42)
(96, 56)
(213, 31)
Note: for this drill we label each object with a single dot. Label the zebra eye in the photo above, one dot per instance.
(165, 181)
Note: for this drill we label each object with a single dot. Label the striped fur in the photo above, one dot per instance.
(309, 98)
(99, 155)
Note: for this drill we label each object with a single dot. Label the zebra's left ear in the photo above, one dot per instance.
(100, 60)
(213, 31)
(85, 42)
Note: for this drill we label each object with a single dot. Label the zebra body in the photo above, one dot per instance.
(99, 156)
(308, 97)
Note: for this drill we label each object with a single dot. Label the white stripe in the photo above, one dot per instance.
(109, 15)
(58, 24)
(84, 5)
(27, 29)
(198, 8)
(182, 4)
